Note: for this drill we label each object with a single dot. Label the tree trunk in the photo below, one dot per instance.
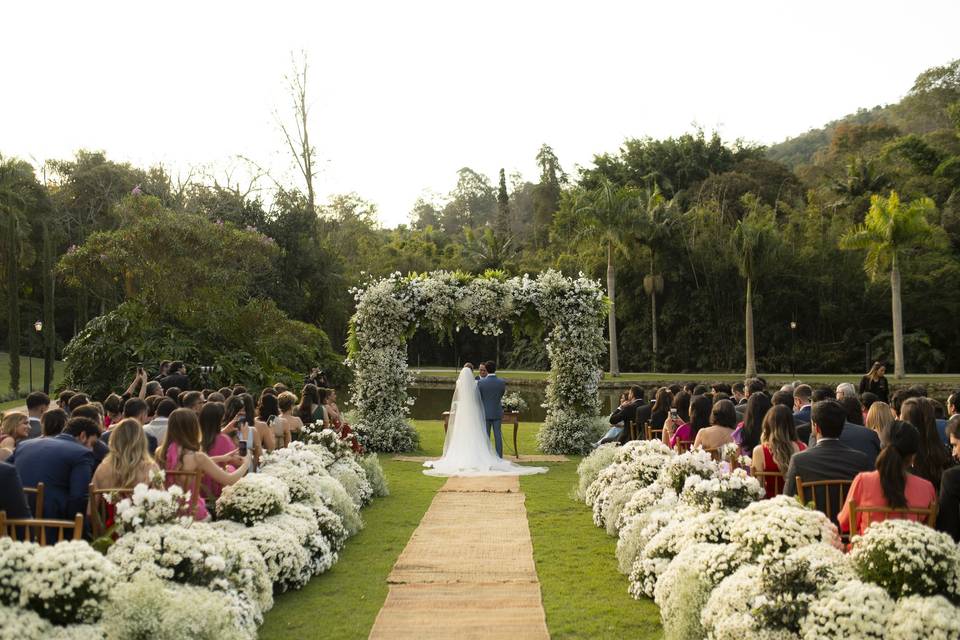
(13, 311)
(49, 337)
(748, 321)
(899, 368)
(612, 318)
(653, 309)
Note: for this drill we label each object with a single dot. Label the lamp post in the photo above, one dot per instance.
(793, 345)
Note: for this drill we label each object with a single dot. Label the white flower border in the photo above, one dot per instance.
(391, 309)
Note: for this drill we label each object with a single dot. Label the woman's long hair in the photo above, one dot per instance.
(724, 415)
(932, 458)
(183, 429)
(662, 402)
(268, 407)
(757, 408)
(903, 442)
(681, 402)
(309, 399)
(128, 452)
(11, 420)
(211, 421)
(779, 434)
(879, 418)
(700, 407)
(874, 373)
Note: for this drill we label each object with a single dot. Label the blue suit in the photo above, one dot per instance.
(63, 465)
(491, 394)
(802, 416)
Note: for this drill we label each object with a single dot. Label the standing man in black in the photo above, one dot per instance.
(633, 411)
(176, 378)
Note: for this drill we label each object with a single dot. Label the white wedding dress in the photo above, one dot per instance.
(467, 450)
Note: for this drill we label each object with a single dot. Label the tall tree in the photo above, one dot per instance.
(297, 135)
(890, 230)
(657, 216)
(503, 207)
(754, 241)
(546, 194)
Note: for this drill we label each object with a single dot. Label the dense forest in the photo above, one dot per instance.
(127, 257)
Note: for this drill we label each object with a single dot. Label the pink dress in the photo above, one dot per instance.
(173, 464)
(682, 433)
(867, 492)
(222, 445)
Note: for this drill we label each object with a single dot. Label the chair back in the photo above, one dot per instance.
(98, 508)
(631, 428)
(651, 433)
(827, 496)
(188, 481)
(41, 531)
(927, 516)
(770, 480)
(683, 446)
(37, 494)
(716, 454)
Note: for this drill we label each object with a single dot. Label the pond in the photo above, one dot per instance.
(432, 399)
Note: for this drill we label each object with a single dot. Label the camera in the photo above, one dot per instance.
(206, 369)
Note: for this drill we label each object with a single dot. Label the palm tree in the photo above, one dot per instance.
(657, 216)
(606, 214)
(889, 231)
(754, 242)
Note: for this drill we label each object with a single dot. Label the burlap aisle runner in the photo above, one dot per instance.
(467, 571)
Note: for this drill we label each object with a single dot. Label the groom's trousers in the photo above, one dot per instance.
(497, 427)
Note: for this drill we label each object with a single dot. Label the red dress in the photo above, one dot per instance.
(773, 484)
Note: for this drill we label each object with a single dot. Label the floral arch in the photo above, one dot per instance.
(569, 312)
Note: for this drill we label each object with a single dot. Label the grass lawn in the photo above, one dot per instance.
(25, 377)
(584, 595)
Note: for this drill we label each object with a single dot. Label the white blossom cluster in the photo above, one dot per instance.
(774, 527)
(390, 309)
(317, 433)
(853, 609)
(253, 498)
(148, 506)
(726, 490)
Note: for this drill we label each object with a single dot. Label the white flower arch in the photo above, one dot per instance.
(570, 311)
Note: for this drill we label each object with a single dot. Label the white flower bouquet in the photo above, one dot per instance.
(309, 459)
(658, 552)
(335, 498)
(67, 583)
(925, 618)
(908, 558)
(148, 506)
(732, 490)
(514, 402)
(853, 609)
(20, 624)
(638, 531)
(13, 566)
(288, 562)
(317, 434)
(351, 475)
(253, 498)
(696, 462)
(779, 525)
(656, 495)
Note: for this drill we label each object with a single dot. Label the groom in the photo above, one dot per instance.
(491, 393)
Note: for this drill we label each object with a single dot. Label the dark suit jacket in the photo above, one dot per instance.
(637, 412)
(864, 440)
(177, 380)
(12, 498)
(63, 465)
(799, 417)
(829, 460)
(948, 519)
(151, 442)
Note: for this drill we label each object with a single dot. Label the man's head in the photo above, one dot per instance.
(801, 395)
(490, 366)
(176, 367)
(822, 393)
(953, 403)
(192, 400)
(953, 435)
(77, 400)
(63, 399)
(846, 390)
(135, 408)
(53, 422)
(755, 385)
(482, 370)
(166, 407)
(828, 417)
(37, 403)
(783, 397)
(85, 430)
(164, 367)
(634, 392)
(738, 391)
(88, 411)
(174, 394)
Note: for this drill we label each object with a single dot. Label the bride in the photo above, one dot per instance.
(467, 450)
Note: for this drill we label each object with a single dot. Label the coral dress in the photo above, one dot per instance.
(866, 491)
(174, 464)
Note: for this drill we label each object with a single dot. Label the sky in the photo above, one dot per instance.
(403, 94)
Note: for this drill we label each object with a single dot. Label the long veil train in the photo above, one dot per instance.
(467, 450)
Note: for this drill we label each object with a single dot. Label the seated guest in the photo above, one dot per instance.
(214, 441)
(180, 451)
(898, 397)
(778, 443)
(853, 408)
(633, 410)
(174, 394)
(14, 428)
(879, 417)
(747, 433)
(128, 463)
(822, 393)
(153, 388)
(785, 398)
(136, 409)
(158, 426)
(338, 424)
(802, 401)
(77, 400)
(37, 404)
(226, 392)
(948, 518)
(831, 458)
(953, 437)
(216, 396)
(846, 390)
(268, 412)
(675, 432)
(92, 411)
(12, 498)
(723, 420)
(857, 437)
(892, 484)
(613, 433)
(53, 422)
(932, 457)
(63, 400)
(113, 410)
(192, 400)
(310, 410)
(64, 464)
(681, 402)
(940, 417)
(867, 399)
(738, 396)
(287, 403)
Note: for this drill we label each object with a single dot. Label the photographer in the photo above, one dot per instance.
(317, 377)
(177, 377)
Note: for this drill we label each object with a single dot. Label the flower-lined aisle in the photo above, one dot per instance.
(168, 577)
(723, 563)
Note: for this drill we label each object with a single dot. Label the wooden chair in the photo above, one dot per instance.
(37, 529)
(651, 433)
(832, 492)
(631, 428)
(927, 515)
(37, 493)
(683, 446)
(189, 481)
(716, 454)
(778, 480)
(97, 511)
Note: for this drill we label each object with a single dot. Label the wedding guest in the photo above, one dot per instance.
(336, 422)
(37, 404)
(268, 412)
(113, 410)
(153, 388)
(53, 422)
(310, 409)
(747, 433)
(63, 400)
(785, 398)
(214, 442)
(948, 518)
(879, 418)
(867, 399)
(626, 414)
(14, 428)
(128, 463)
(158, 426)
(699, 412)
(287, 403)
(953, 437)
(681, 402)
(875, 382)
(64, 464)
(932, 457)
(661, 408)
(77, 400)
(892, 484)
(13, 501)
(723, 420)
(831, 458)
(902, 395)
(739, 397)
(226, 392)
(778, 444)
(854, 409)
(237, 409)
(216, 396)
(181, 451)
(177, 378)
(330, 405)
(192, 400)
